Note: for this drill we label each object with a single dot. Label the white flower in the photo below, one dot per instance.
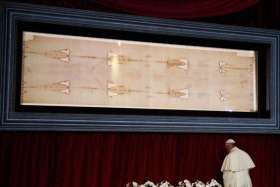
(185, 183)
(149, 184)
(213, 183)
(198, 184)
(165, 184)
(134, 184)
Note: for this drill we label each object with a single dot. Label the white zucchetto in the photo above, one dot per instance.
(230, 141)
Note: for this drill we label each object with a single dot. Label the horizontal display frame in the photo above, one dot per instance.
(11, 118)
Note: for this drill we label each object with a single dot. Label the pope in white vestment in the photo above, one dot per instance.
(236, 167)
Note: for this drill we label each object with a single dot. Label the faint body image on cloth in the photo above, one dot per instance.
(62, 70)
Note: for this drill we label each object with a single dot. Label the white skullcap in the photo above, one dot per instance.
(230, 141)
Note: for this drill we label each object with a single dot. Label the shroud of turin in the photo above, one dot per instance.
(62, 70)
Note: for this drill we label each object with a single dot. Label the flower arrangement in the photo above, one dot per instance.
(184, 183)
(198, 183)
(213, 183)
(148, 184)
(164, 184)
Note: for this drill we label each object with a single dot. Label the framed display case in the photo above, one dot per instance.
(66, 69)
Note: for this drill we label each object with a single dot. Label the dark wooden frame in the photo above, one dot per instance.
(11, 14)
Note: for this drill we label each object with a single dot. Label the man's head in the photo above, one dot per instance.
(229, 144)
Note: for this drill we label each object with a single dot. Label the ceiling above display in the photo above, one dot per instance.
(180, 9)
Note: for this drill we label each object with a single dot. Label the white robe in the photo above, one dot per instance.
(236, 167)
